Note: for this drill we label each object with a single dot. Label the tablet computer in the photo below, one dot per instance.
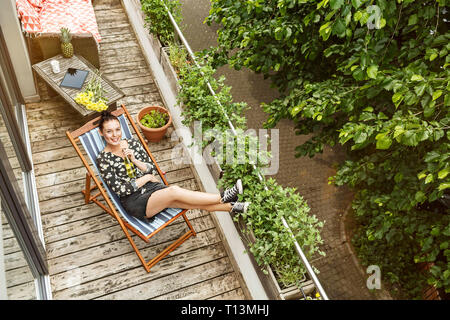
(74, 78)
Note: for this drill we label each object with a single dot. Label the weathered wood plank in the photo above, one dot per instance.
(84, 261)
(124, 45)
(106, 61)
(204, 289)
(126, 66)
(129, 74)
(175, 282)
(25, 291)
(101, 5)
(137, 81)
(132, 273)
(236, 294)
(98, 235)
(19, 276)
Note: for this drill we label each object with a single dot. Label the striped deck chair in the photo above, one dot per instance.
(93, 143)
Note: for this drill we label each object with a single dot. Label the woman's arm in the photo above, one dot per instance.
(144, 179)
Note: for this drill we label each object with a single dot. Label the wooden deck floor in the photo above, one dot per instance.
(89, 256)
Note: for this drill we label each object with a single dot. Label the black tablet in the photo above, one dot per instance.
(74, 78)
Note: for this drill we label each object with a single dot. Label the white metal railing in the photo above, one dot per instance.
(305, 261)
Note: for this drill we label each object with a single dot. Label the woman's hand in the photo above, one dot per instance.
(129, 153)
(126, 151)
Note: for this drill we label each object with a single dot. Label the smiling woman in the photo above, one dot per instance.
(129, 172)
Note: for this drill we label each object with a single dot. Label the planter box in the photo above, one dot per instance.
(169, 70)
(278, 291)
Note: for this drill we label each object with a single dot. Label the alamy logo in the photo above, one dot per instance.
(375, 21)
(224, 147)
(374, 280)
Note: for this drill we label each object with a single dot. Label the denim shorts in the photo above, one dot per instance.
(136, 203)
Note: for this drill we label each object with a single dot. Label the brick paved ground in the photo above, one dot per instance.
(340, 274)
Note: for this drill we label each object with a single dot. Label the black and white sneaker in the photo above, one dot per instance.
(239, 207)
(231, 195)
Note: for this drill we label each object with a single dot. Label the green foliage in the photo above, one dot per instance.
(158, 21)
(199, 105)
(379, 86)
(178, 56)
(154, 119)
(273, 245)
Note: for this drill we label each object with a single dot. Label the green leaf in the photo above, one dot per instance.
(397, 96)
(298, 108)
(443, 173)
(419, 90)
(444, 186)
(429, 178)
(412, 19)
(336, 4)
(398, 177)
(356, 3)
(416, 77)
(428, 111)
(278, 33)
(360, 137)
(383, 141)
(357, 16)
(339, 28)
(421, 175)
(437, 94)
(420, 196)
(288, 32)
(358, 74)
(372, 71)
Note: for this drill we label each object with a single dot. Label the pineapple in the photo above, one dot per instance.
(66, 45)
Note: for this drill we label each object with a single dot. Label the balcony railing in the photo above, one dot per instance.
(230, 124)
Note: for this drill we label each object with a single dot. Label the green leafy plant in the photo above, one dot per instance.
(199, 105)
(376, 82)
(154, 119)
(271, 245)
(178, 56)
(158, 21)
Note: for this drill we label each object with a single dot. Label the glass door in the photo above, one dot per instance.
(23, 264)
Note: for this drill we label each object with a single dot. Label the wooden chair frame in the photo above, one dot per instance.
(110, 208)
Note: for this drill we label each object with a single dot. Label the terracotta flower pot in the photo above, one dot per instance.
(153, 134)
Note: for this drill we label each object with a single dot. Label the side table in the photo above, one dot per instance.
(44, 70)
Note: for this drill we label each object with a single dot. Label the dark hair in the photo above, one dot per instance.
(105, 117)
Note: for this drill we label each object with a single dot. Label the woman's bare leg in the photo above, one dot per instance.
(209, 207)
(169, 197)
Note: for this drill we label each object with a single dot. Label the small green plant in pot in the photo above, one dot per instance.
(154, 121)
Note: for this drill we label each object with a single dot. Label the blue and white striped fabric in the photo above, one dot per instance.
(93, 143)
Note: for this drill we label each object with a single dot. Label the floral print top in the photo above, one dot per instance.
(113, 172)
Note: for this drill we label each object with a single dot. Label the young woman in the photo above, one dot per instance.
(143, 195)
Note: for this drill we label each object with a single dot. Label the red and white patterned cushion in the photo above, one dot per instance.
(29, 16)
(36, 3)
(76, 15)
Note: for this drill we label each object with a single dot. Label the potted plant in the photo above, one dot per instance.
(154, 121)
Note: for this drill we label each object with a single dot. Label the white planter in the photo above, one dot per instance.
(169, 70)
